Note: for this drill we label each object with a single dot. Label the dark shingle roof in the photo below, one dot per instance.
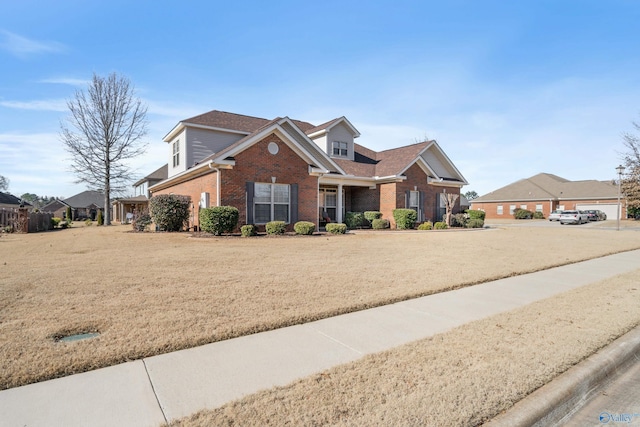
(238, 122)
(10, 199)
(86, 199)
(157, 175)
(367, 162)
(544, 186)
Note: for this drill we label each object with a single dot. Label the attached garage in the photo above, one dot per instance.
(611, 209)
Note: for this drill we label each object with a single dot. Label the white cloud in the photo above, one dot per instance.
(39, 105)
(66, 81)
(23, 47)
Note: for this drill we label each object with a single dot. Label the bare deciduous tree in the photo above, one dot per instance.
(4, 183)
(105, 128)
(449, 203)
(631, 181)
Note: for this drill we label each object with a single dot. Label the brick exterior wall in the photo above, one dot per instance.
(256, 164)
(393, 195)
(491, 208)
(362, 199)
(194, 188)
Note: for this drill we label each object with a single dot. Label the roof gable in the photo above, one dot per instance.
(10, 199)
(86, 199)
(545, 186)
(326, 127)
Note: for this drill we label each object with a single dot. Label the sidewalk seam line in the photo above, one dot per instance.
(144, 363)
(339, 342)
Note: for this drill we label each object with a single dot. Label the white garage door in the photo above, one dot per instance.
(610, 209)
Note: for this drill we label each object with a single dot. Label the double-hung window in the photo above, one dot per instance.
(271, 202)
(176, 153)
(414, 200)
(340, 148)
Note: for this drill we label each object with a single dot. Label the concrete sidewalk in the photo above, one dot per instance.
(162, 388)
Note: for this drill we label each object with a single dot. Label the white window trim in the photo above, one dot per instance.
(500, 210)
(272, 202)
(176, 153)
(342, 152)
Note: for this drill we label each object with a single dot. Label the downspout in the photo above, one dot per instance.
(318, 202)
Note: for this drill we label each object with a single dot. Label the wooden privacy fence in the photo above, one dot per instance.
(29, 222)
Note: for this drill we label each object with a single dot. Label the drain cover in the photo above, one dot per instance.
(78, 337)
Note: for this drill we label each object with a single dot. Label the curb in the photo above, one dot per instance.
(549, 404)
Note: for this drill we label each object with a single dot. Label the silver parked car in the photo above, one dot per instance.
(555, 215)
(573, 217)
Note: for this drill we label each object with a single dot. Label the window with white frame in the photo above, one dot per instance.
(340, 148)
(538, 208)
(414, 200)
(500, 210)
(176, 153)
(523, 207)
(512, 209)
(271, 202)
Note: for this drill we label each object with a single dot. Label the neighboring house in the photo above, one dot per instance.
(124, 208)
(546, 192)
(9, 201)
(289, 170)
(83, 206)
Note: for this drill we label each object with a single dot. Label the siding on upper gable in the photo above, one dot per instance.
(203, 143)
(182, 164)
(340, 133)
(436, 164)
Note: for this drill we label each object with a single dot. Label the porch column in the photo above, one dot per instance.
(339, 207)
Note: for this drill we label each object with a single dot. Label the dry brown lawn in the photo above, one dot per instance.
(149, 293)
(463, 377)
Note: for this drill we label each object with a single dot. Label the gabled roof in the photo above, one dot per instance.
(287, 128)
(157, 175)
(85, 199)
(326, 127)
(545, 186)
(7, 199)
(231, 122)
(395, 161)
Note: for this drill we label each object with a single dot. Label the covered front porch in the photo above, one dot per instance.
(124, 209)
(337, 196)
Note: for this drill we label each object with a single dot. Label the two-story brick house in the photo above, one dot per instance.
(290, 170)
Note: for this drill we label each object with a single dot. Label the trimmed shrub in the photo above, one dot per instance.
(68, 215)
(100, 218)
(305, 228)
(249, 230)
(336, 228)
(218, 219)
(372, 215)
(380, 224)
(459, 220)
(405, 218)
(475, 214)
(63, 225)
(522, 214)
(88, 222)
(440, 225)
(355, 220)
(170, 212)
(141, 220)
(475, 223)
(425, 226)
(276, 227)
(55, 221)
(538, 215)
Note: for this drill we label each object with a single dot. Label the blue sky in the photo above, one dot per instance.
(508, 89)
